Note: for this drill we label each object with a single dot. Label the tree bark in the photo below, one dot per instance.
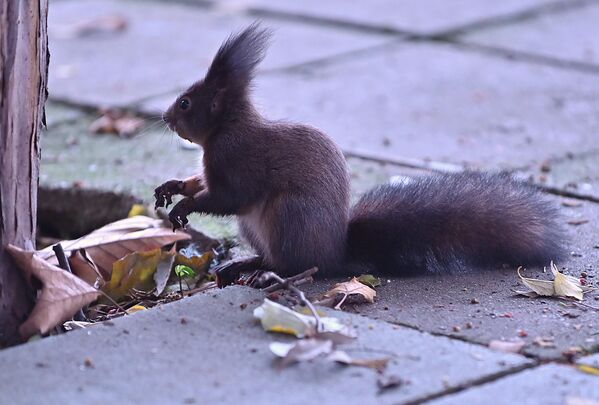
(24, 72)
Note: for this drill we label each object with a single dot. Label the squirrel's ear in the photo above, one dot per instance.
(236, 60)
(217, 101)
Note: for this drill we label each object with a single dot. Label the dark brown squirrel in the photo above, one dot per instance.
(288, 185)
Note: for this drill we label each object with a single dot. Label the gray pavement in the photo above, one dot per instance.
(219, 354)
(412, 85)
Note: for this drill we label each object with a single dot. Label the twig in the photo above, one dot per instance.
(298, 279)
(288, 284)
(64, 264)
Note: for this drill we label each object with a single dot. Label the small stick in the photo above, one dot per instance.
(296, 280)
(288, 284)
(64, 264)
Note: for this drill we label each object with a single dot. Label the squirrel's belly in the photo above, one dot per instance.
(255, 231)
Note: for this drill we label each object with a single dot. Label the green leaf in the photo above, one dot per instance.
(184, 271)
(369, 280)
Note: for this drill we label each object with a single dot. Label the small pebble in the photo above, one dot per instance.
(474, 301)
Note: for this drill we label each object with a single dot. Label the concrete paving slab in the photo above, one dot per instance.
(165, 47)
(570, 36)
(480, 307)
(438, 102)
(549, 384)
(573, 174)
(592, 361)
(435, 303)
(414, 16)
(219, 355)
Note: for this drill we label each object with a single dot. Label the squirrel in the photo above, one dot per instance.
(289, 186)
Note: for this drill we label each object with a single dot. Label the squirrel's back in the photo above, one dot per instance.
(445, 221)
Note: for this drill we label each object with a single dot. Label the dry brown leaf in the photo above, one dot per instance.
(508, 347)
(107, 24)
(84, 267)
(62, 294)
(352, 287)
(116, 240)
(342, 357)
(118, 123)
(545, 342)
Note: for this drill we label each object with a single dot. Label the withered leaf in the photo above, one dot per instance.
(62, 294)
(278, 318)
(135, 271)
(342, 357)
(349, 288)
(302, 350)
(505, 346)
(118, 239)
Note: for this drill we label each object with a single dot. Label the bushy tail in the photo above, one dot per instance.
(449, 221)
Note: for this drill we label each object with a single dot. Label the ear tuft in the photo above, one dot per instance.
(236, 60)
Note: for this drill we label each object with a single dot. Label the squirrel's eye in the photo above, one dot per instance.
(184, 104)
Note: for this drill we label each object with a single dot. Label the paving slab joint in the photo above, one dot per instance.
(475, 383)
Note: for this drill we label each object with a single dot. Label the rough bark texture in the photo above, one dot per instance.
(24, 71)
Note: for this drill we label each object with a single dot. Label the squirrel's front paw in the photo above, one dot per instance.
(179, 213)
(165, 192)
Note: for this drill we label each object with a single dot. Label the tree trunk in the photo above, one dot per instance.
(24, 72)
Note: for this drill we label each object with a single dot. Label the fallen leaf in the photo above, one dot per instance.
(278, 318)
(62, 294)
(118, 123)
(566, 286)
(540, 287)
(342, 357)
(137, 209)
(84, 267)
(118, 239)
(349, 288)
(561, 286)
(505, 346)
(163, 271)
(74, 325)
(369, 280)
(107, 24)
(544, 342)
(135, 271)
(589, 369)
(136, 308)
(302, 350)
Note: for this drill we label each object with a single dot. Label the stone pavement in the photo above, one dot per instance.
(409, 86)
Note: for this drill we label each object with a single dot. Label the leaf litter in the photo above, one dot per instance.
(121, 268)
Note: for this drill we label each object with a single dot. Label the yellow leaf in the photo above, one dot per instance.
(62, 294)
(137, 209)
(135, 270)
(589, 369)
(136, 308)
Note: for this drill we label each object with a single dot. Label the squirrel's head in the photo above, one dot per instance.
(223, 93)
